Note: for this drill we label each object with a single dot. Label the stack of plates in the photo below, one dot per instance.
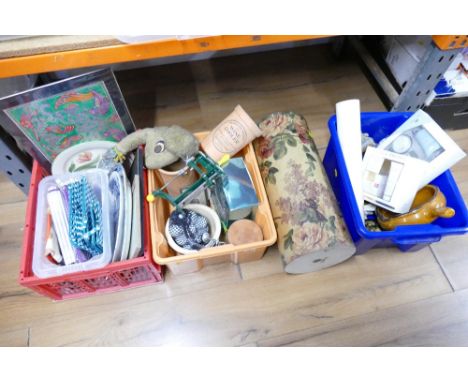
(121, 192)
(86, 156)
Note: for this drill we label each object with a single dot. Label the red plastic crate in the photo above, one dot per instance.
(115, 276)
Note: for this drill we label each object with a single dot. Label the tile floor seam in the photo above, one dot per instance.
(240, 271)
(442, 268)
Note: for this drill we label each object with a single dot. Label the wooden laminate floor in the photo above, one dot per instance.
(381, 298)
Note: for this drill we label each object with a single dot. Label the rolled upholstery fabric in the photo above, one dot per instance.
(311, 232)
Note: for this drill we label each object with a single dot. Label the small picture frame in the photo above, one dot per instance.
(48, 119)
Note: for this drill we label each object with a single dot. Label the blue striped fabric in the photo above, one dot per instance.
(85, 218)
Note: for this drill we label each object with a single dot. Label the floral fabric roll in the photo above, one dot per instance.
(311, 232)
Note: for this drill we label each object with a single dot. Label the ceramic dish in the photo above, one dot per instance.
(428, 205)
(135, 241)
(117, 191)
(80, 157)
(213, 221)
(127, 229)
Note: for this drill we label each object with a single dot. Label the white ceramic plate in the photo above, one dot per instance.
(116, 184)
(135, 241)
(127, 231)
(80, 157)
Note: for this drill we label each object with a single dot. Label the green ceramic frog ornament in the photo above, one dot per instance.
(163, 145)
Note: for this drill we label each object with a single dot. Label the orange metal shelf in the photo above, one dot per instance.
(445, 42)
(15, 66)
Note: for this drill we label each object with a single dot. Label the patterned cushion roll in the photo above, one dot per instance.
(311, 232)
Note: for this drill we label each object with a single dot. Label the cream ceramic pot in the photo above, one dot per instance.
(177, 179)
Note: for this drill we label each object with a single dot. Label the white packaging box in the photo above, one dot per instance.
(390, 180)
(404, 54)
(421, 137)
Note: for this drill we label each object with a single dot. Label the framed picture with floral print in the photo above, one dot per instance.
(48, 119)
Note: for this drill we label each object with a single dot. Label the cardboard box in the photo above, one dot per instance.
(404, 54)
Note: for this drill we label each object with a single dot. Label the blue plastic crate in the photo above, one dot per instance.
(406, 238)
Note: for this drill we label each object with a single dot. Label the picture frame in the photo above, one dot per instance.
(48, 119)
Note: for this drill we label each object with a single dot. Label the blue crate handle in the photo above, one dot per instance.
(418, 240)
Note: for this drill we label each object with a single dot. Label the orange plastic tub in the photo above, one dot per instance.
(160, 210)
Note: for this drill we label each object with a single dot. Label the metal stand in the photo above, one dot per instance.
(14, 163)
(423, 80)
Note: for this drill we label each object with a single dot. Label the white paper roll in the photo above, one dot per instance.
(348, 123)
